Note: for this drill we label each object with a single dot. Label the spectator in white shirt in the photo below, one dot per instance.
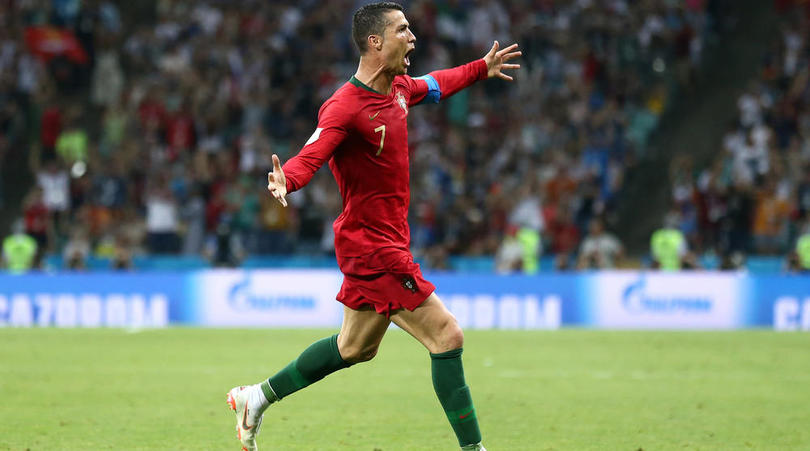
(55, 186)
(600, 249)
(162, 219)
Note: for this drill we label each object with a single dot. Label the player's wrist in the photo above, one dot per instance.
(482, 68)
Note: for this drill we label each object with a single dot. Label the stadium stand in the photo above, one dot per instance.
(149, 132)
(753, 197)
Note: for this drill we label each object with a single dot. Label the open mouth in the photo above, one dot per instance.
(407, 59)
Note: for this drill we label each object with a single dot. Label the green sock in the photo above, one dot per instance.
(454, 394)
(316, 362)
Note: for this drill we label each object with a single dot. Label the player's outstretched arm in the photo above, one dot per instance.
(276, 182)
(441, 84)
(496, 60)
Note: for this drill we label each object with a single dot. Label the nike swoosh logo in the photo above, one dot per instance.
(461, 417)
(244, 420)
(371, 118)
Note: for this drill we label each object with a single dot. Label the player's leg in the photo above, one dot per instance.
(360, 336)
(361, 333)
(436, 328)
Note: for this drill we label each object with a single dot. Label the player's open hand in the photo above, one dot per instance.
(276, 182)
(496, 61)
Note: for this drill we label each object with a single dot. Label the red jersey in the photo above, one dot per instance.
(364, 136)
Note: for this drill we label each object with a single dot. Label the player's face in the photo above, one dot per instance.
(398, 43)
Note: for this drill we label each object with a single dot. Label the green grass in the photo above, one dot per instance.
(564, 390)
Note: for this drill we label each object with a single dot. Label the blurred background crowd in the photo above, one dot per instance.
(147, 128)
(753, 195)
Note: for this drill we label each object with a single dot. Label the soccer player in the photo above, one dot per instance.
(362, 133)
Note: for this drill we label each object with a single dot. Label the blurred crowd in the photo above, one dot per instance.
(754, 197)
(150, 130)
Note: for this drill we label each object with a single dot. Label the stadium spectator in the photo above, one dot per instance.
(668, 248)
(771, 217)
(732, 262)
(564, 236)
(122, 254)
(527, 218)
(55, 183)
(54, 180)
(37, 219)
(19, 250)
(509, 257)
(224, 248)
(600, 249)
(219, 85)
(77, 249)
(752, 198)
(50, 126)
(803, 192)
(192, 213)
(799, 257)
(72, 143)
(108, 79)
(162, 217)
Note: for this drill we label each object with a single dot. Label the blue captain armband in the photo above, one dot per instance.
(434, 93)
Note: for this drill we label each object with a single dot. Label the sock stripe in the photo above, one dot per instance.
(268, 391)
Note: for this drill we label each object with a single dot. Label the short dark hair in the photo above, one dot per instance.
(368, 20)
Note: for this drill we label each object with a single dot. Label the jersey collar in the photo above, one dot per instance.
(362, 85)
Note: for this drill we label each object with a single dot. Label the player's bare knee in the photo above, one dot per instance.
(368, 353)
(454, 336)
(358, 353)
(450, 337)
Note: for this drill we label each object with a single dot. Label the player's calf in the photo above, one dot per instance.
(455, 397)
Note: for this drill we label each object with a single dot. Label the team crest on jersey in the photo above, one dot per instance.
(402, 103)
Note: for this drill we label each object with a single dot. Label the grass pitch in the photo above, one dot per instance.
(563, 390)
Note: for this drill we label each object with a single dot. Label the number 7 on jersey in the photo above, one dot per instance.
(379, 129)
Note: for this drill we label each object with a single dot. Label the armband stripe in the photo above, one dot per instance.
(434, 94)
